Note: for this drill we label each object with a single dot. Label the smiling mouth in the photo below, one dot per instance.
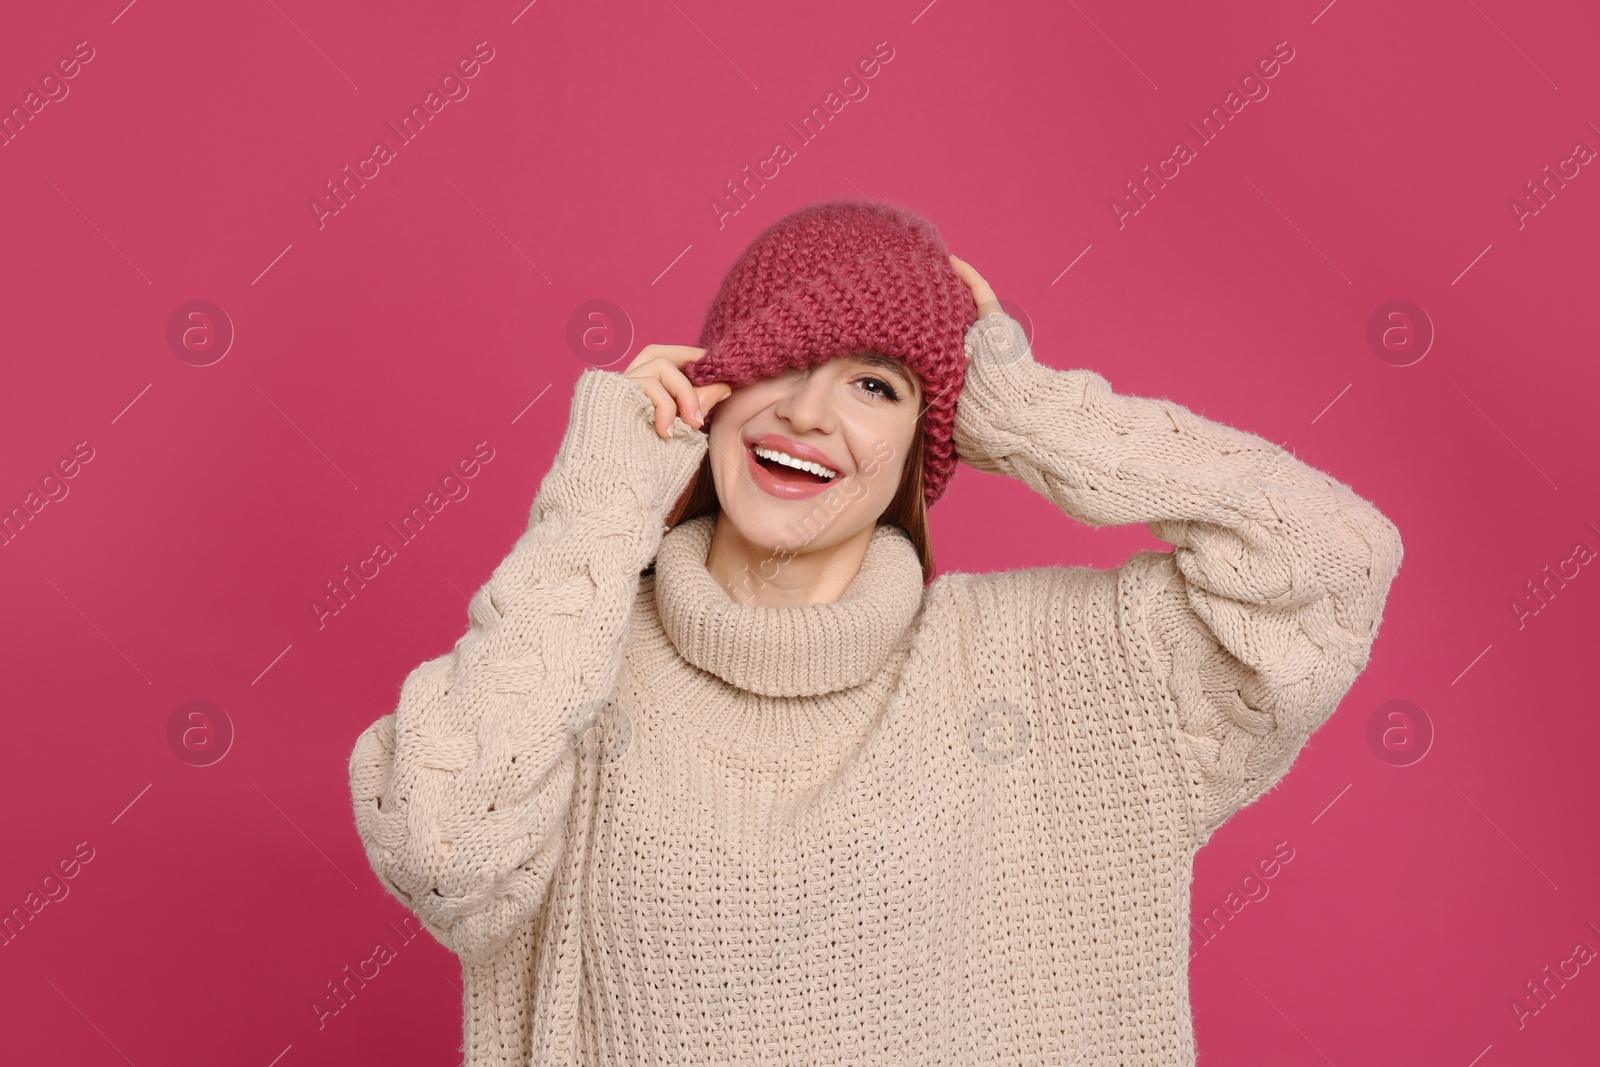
(787, 468)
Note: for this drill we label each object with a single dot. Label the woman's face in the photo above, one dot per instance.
(854, 415)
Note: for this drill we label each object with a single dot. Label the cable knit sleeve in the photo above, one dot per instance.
(1255, 625)
(460, 794)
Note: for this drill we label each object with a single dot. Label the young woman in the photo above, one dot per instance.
(717, 775)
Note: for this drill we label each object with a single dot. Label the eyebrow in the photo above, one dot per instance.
(893, 366)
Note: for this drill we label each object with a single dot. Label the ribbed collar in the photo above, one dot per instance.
(795, 650)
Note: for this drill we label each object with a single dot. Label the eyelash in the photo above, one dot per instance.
(890, 395)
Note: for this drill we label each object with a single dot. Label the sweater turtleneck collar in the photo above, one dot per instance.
(794, 650)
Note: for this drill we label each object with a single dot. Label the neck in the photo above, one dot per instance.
(753, 573)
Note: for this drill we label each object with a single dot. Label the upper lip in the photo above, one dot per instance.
(780, 443)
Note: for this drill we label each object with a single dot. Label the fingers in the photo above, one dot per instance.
(674, 396)
(675, 355)
(982, 294)
(658, 368)
(711, 395)
(666, 408)
(688, 402)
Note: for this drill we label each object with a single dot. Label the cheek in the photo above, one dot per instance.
(890, 473)
(881, 453)
(728, 420)
(727, 457)
(880, 468)
(733, 413)
(722, 433)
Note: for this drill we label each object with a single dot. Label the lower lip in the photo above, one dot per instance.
(770, 484)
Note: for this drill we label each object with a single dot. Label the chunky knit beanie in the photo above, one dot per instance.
(840, 278)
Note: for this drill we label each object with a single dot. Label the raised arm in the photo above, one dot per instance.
(460, 794)
(1256, 624)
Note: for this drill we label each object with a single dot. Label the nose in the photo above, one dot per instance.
(808, 402)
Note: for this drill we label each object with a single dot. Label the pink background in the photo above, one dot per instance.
(373, 352)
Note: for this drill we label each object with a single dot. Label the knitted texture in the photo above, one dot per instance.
(838, 278)
(913, 826)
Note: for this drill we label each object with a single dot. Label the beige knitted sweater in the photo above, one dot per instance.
(951, 825)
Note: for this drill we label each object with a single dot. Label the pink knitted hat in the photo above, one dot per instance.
(839, 278)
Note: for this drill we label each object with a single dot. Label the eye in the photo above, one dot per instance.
(887, 390)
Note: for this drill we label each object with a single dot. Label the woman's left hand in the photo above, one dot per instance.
(982, 294)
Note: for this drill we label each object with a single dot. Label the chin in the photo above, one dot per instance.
(795, 525)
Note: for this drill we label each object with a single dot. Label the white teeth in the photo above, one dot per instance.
(799, 464)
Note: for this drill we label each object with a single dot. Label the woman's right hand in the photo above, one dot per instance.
(659, 369)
